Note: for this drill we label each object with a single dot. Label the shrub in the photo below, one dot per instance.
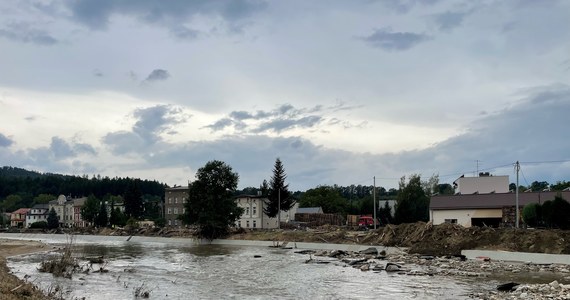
(39, 224)
(531, 214)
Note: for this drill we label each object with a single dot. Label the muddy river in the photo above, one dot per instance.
(169, 270)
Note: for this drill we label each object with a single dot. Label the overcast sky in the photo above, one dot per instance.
(341, 91)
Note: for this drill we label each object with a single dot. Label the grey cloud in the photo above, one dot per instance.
(241, 115)
(24, 33)
(124, 142)
(5, 141)
(97, 73)
(404, 6)
(449, 20)
(157, 75)
(150, 123)
(394, 41)
(528, 131)
(220, 124)
(282, 118)
(96, 13)
(185, 33)
(84, 148)
(60, 148)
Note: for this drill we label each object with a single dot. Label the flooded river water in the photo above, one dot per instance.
(189, 271)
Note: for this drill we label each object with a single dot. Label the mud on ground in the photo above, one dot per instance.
(425, 238)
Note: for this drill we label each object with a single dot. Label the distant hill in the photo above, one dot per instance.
(28, 184)
(18, 172)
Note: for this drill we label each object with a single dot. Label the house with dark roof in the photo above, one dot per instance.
(310, 210)
(37, 213)
(491, 209)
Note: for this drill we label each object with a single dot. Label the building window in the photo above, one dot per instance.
(169, 222)
(254, 211)
(175, 211)
(451, 221)
(184, 210)
(183, 199)
(169, 211)
(247, 224)
(254, 224)
(175, 199)
(176, 222)
(247, 211)
(170, 200)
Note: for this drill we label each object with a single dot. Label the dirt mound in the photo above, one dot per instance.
(425, 238)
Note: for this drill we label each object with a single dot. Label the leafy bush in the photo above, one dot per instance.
(39, 224)
(531, 214)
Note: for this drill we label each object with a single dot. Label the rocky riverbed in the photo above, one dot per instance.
(404, 264)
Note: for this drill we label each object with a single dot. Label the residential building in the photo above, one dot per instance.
(18, 217)
(174, 200)
(254, 216)
(68, 210)
(492, 209)
(485, 183)
(37, 213)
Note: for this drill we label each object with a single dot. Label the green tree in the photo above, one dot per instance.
(210, 204)
(90, 209)
(278, 195)
(326, 197)
(445, 189)
(52, 220)
(560, 214)
(102, 218)
(12, 203)
(531, 214)
(412, 203)
(536, 186)
(133, 201)
(117, 218)
(43, 198)
(385, 214)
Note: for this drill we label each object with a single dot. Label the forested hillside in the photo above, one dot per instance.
(33, 187)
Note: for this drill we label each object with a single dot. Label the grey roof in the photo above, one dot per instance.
(176, 188)
(41, 206)
(309, 210)
(498, 200)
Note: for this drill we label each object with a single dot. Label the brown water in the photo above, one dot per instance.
(170, 271)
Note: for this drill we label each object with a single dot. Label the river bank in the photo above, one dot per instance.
(12, 287)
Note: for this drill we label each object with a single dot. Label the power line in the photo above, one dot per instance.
(545, 161)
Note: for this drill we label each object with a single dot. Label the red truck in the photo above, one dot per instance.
(361, 222)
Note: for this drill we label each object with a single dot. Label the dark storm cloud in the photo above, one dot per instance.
(394, 41)
(5, 141)
(157, 75)
(24, 33)
(150, 123)
(449, 20)
(96, 13)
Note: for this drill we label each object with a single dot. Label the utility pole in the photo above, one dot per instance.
(279, 209)
(517, 168)
(374, 193)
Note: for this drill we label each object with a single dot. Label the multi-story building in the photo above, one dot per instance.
(37, 213)
(18, 217)
(68, 210)
(254, 217)
(174, 200)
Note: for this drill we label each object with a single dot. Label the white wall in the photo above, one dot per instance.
(463, 216)
(483, 184)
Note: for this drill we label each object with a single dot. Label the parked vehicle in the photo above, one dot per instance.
(361, 222)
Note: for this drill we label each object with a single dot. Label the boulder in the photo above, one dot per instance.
(371, 251)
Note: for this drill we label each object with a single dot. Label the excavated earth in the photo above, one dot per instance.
(425, 238)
